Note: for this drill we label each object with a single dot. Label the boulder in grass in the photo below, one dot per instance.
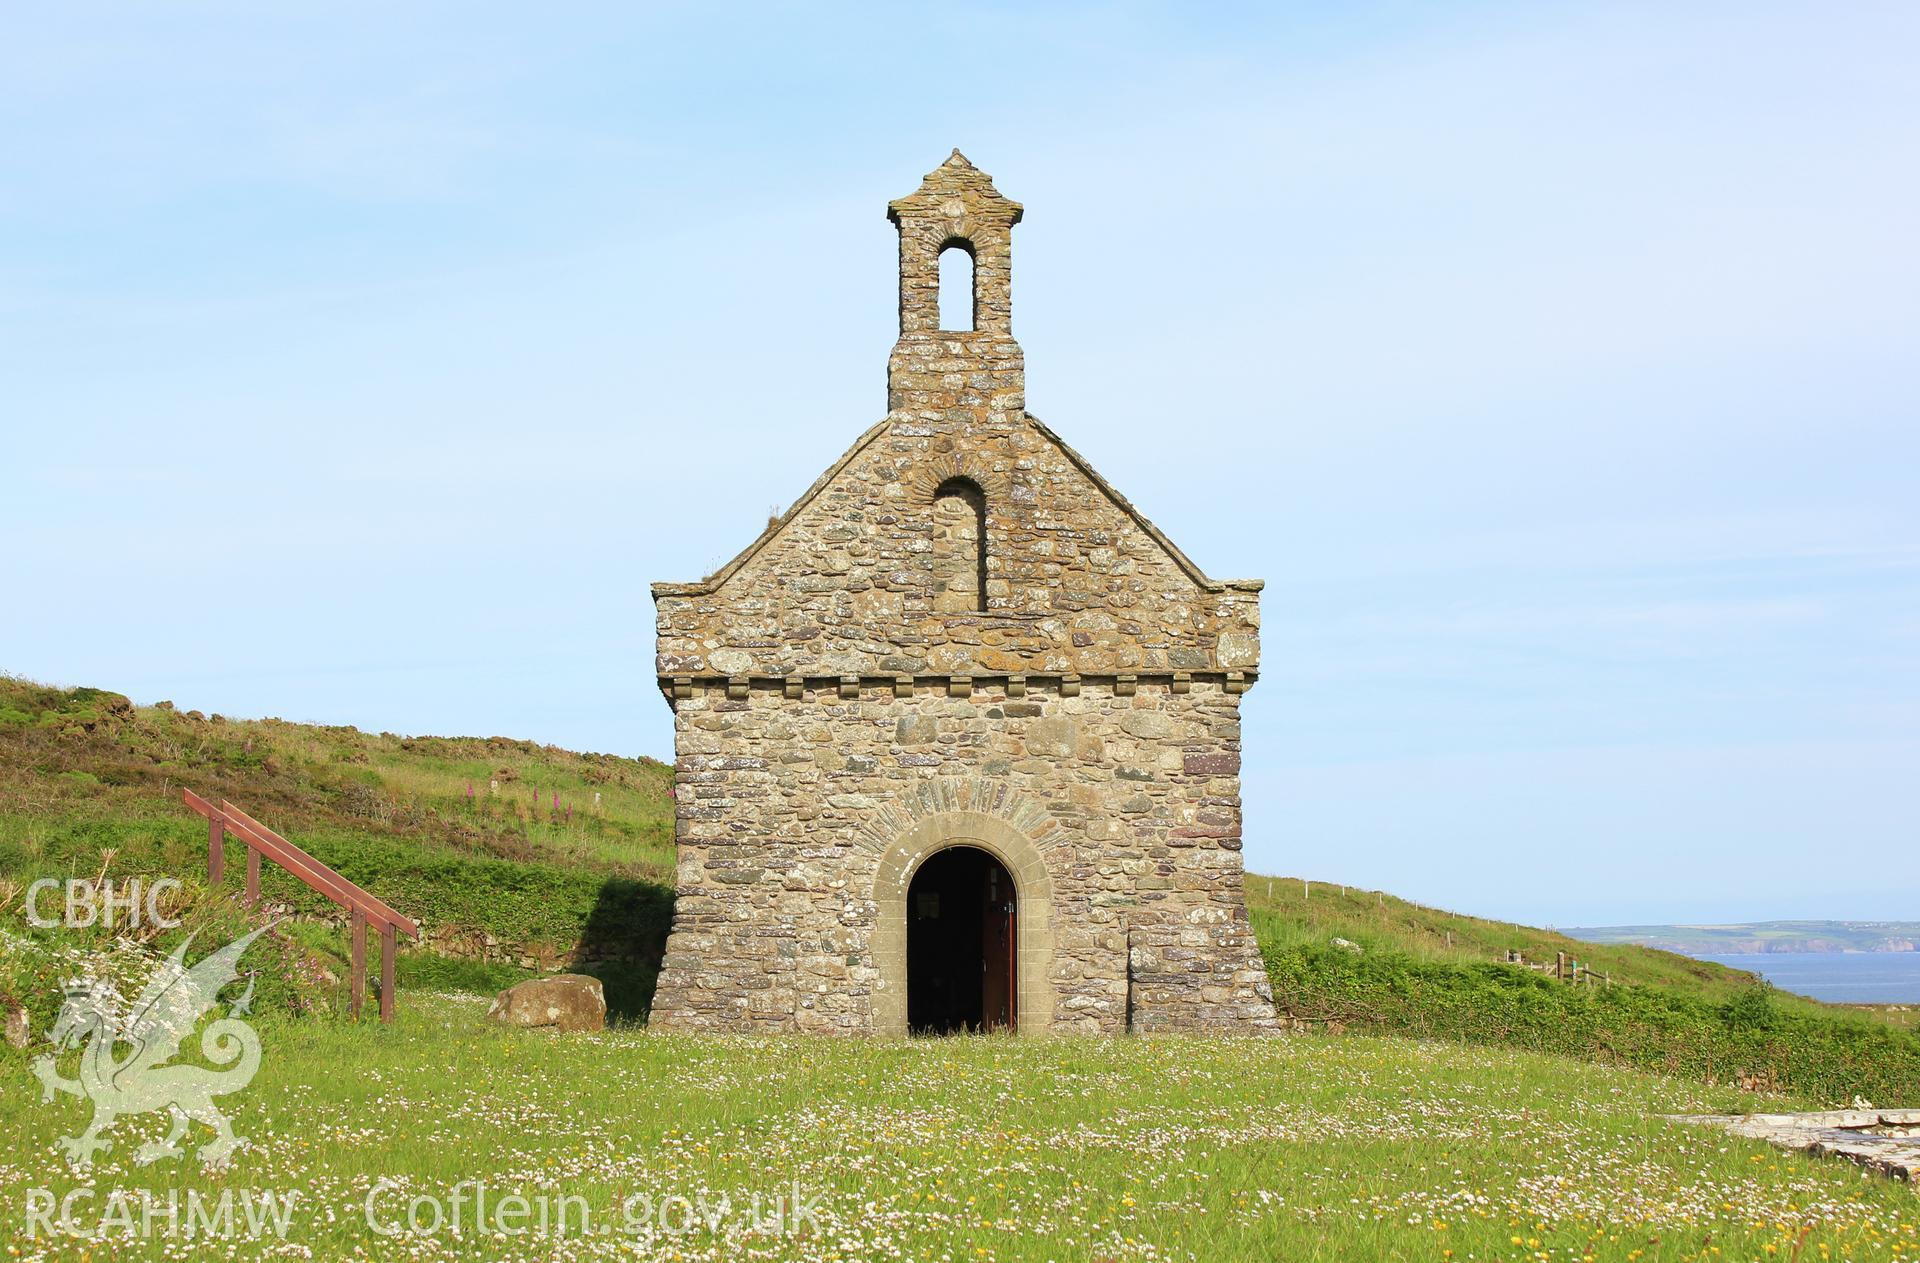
(19, 1026)
(564, 1002)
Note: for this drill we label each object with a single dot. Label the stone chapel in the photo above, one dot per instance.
(957, 738)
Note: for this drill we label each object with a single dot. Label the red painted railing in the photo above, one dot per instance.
(363, 908)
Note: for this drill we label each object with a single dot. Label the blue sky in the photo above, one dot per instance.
(1555, 365)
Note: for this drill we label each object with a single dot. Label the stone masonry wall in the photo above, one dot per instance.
(848, 585)
(786, 806)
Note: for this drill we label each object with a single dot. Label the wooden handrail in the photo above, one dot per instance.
(362, 906)
(276, 848)
(316, 874)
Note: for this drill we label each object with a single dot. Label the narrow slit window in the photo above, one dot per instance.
(959, 548)
(956, 288)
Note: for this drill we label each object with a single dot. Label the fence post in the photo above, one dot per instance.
(1560, 966)
(357, 987)
(253, 874)
(216, 849)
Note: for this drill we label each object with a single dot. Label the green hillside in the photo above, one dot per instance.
(1289, 911)
(531, 855)
(503, 847)
(1362, 960)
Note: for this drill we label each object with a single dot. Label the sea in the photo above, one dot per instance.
(1842, 977)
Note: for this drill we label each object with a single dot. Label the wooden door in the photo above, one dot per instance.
(999, 954)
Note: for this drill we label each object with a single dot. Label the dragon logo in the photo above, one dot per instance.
(168, 1010)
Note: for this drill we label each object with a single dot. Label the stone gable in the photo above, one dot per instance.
(851, 580)
(961, 644)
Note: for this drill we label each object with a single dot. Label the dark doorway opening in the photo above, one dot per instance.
(961, 921)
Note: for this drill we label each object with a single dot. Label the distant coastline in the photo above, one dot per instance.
(1760, 938)
(1885, 978)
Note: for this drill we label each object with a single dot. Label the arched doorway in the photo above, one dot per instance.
(901, 860)
(962, 944)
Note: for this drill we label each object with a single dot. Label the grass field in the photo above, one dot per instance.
(1312, 1147)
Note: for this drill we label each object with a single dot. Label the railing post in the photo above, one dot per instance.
(262, 844)
(387, 934)
(357, 987)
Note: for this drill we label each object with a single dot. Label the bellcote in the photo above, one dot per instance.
(973, 377)
(955, 208)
